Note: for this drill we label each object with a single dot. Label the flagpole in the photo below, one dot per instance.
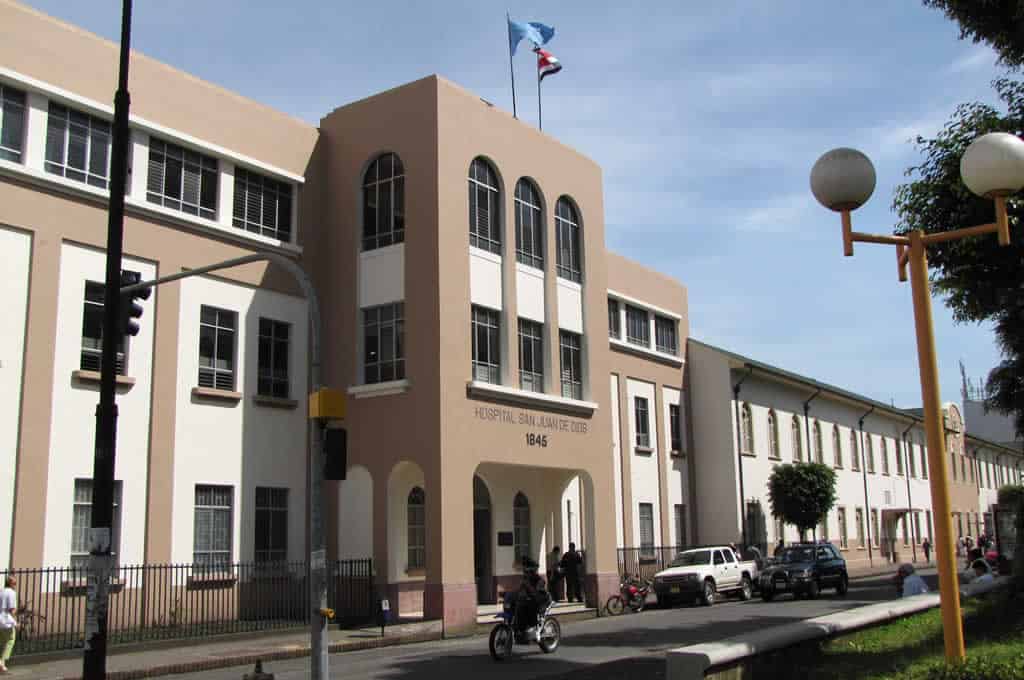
(511, 70)
(540, 113)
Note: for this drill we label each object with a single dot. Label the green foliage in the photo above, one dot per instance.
(978, 668)
(1012, 496)
(801, 493)
(979, 279)
(996, 22)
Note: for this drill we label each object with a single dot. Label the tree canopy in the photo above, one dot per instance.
(980, 280)
(1000, 23)
(802, 493)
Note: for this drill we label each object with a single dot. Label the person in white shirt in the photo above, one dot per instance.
(982, 572)
(913, 584)
(8, 624)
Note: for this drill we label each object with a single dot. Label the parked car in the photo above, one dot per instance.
(699, 574)
(804, 569)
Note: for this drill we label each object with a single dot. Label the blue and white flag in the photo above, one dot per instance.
(534, 31)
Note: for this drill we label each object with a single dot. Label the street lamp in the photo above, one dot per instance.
(843, 180)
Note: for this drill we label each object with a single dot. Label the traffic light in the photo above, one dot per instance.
(335, 454)
(130, 311)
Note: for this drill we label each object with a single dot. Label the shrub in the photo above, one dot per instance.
(979, 668)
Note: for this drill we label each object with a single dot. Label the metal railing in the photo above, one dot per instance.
(179, 601)
(646, 561)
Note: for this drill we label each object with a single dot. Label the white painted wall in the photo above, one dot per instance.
(17, 249)
(571, 498)
(381, 276)
(404, 477)
(241, 444)
(73, 428)
(676, 466)
(485, 278)
(530, 293)
(570, 306)
(643, 466)
(617, 462)
(355, 515)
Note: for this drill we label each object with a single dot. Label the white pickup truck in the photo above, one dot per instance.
(699, 573)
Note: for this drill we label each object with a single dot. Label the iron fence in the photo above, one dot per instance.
(178, 601)
(1006, 532)
(646, 562)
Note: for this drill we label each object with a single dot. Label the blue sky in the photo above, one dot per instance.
(706, 118)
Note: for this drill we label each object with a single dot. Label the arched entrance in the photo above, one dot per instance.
(483, 562)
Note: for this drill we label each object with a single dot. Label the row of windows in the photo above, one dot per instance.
(638, 327)
(645, 515)
(486, 363)
(642, 425)
(904, 527)
(78, 148)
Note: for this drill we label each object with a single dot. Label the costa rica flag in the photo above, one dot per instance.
(547, 64)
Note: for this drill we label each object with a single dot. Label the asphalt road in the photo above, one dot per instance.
(629, 646)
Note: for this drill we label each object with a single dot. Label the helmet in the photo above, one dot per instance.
(530, 566)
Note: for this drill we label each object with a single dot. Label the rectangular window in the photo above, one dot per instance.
(643, 432)
(905, 523)
(924, 463)
(569, 345)
(899, 458)
(841, 519)
(416, 539)
(271, 524)
(680, 513)
(182, 180)
(885, 456)
(77, 146)
(531, 356)
(675, 428)
(859, 520)
(81, 521)
(211, 542)
(217, 348)
(928, 523)
(917, 527)
(384, 343)
(614, 320)
(911, 465)
(569, 515)
(568, 263)
(647, 529)
(874, 527)
(262, 205)
(666, 335)
(484, 211)
(92, 332)
(486, 345)
(272, 367)
(638, 330)
(12, 123)
(529, 226)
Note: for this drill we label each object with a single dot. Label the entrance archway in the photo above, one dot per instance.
(483, 562)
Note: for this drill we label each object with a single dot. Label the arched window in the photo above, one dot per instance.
(747, 428)
(569, 264)
(417, 529)
(529, 225)
(819, 446)
(854, 452)
(794, 435)
(484, 207)
(773, 436)
(837, 447)
(869, 453)
(521, 527)
(885, 456)
(384, 202)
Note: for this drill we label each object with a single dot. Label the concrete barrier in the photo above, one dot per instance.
(693, 662)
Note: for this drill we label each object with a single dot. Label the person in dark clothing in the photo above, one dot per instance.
(554, 572)
(779, 547)
(532, 596)
(926, 545)
(570, 563)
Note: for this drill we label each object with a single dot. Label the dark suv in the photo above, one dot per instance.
(804, 569)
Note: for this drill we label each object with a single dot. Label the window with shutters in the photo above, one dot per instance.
(884, 455)
(924, 462)
(854, 452)
(747, 428)
(271, 539)
(614, 320)
(529, 225)
(384, 343)
(874, 527)
(217, 348)
(680, 517)
(484, 207)
(77, 146)
(384, 202)
(520, 527)
(859, 520)
(262, 205)
(486, 345)
(272, 368)
(92, 332)
(666, 335)
(646, 516)
(81, 522)
(181, 179)
(841, 520)
(819, 447)
(211, 543)
(638, 329)
(911, 464)
(899, 458)
(837, 447)
(569, 263)
(795, 440)
(12, 123)
(869, 453)
(570, 349)
(531, 356)
(675, 427)
(773, 436)
(416, 517)
(643, 428)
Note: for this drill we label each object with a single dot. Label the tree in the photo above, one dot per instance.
(996, 22)
(979, 279)
(801, 494)
(1011, 497)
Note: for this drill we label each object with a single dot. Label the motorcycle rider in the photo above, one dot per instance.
(533, 597)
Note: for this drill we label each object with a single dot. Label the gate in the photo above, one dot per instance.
(1006, 531)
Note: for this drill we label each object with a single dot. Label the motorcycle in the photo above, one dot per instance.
(547, 633)
(630, 594)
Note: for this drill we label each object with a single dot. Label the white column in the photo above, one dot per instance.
(139, 167)
(623, 333)
(226, 193)
(36, 114)
(650, 324)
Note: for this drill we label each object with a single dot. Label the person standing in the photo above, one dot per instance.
(570, 564)
(926, 545)
(779, 547)
(555, 573)
(8, 624)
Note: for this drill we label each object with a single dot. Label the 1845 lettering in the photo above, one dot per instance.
(536, 439)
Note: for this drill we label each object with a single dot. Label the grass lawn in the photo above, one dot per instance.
(908, 648)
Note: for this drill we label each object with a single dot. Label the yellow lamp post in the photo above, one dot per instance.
(842, 180)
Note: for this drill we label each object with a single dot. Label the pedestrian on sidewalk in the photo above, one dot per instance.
(570, 564)
(555, 575)
(926, 545)
(8, 624)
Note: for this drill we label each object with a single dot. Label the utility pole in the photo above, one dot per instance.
(94, 660)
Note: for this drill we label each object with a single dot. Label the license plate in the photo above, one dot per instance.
(674, 589)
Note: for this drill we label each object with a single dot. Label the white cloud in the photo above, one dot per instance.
(980, 57)
(777, 215)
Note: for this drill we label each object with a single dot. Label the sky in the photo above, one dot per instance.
(705, 117)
